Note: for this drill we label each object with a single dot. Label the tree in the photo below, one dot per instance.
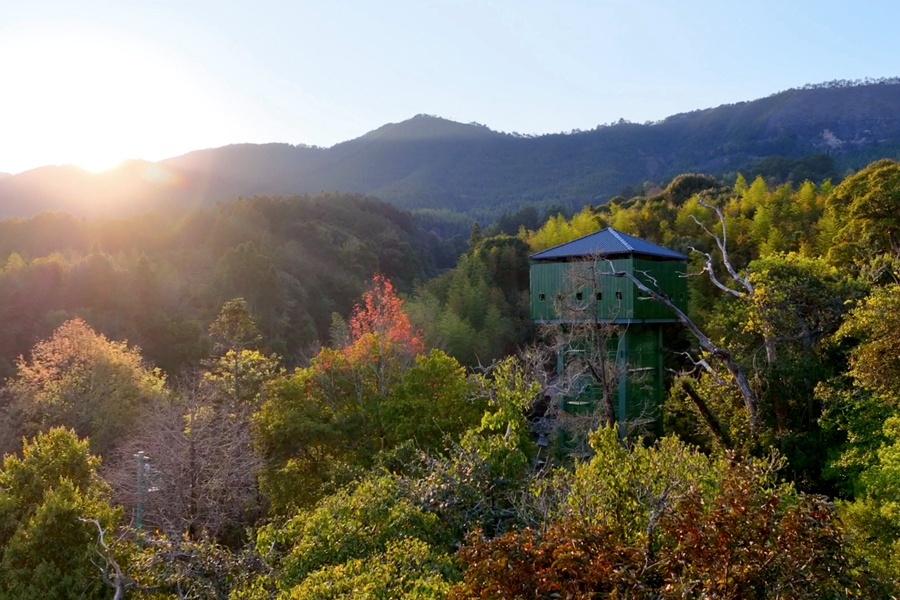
(869, 206)
(202, 472)
(319, 422)
(350, 533)
(367, 395)
(234, 327)
(46, 546)
(80, 379)
(666, 522)
(874, 324)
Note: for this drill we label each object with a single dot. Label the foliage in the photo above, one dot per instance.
(478, 312)
(159, 279)
(362, 471)
(873, 517)
(874, 363)
(167, 568)
(355, 523)
(667, 522)
(558, 230)
(409, 569)
(238, 378)
(47, 550)
(77, 378)
(367, 396)
(867, 207)
(234, 327)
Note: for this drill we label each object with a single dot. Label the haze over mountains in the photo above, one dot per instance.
(432, 162)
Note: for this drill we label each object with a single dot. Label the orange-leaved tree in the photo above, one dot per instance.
(380, 343)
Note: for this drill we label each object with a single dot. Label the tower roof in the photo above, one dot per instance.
(607, 242)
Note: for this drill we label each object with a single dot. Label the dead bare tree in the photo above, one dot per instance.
(180, 568)
(711, 349)
(202, 476)
(743, 281)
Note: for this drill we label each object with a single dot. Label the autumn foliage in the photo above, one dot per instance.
(747, 539)
(381, 315)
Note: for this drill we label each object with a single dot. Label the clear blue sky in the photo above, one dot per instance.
(92, 82)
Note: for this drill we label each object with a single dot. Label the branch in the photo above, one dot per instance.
(708, 268)
(722, 243)
(724, 356)
(120, 584)
(707, 415)
(701, 362)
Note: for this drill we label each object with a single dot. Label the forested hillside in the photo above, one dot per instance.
(301, 398)
(813, 133)
(158, 279)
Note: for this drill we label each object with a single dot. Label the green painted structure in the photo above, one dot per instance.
(573, 283)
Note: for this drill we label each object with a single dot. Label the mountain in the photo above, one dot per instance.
(428, 161)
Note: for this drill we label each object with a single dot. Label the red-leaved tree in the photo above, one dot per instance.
(381, 341)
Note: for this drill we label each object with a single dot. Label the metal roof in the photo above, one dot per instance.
(607, 242)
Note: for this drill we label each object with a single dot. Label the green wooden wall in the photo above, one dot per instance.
(568, 290)
(638, 350)
(564, 292)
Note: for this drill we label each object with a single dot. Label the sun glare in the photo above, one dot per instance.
(99, 163)
(95, 98)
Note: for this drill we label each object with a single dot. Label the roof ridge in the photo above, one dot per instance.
(587, 235)
(621, 239)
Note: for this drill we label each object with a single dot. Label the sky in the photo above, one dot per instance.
(94, 82)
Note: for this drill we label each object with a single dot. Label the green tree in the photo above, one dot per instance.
(47, 549)
(355, 524)
(868, 207)
(234, 328)
(873, 517)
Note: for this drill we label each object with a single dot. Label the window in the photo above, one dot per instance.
(618, 295)
(542, 297)
(579, 296)
(559, 297)
(599, 295)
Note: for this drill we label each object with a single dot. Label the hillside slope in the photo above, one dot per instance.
(428, 161)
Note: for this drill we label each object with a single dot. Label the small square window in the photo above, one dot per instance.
(542, 297)
(618, 295)
(579, 296)
(599, 295)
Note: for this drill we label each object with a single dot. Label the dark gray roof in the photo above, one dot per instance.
(607, 242)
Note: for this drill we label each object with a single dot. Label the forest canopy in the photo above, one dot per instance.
(313, 397)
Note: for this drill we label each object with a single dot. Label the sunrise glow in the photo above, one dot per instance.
(94, 98)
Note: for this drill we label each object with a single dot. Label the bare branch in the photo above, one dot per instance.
(708, 268)
(702, 362)
(707, 415)
(119, 582)
(720, 354)
(722, 243)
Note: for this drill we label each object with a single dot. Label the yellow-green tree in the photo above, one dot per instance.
(80, 379)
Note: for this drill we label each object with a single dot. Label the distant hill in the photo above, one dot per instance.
(432, 162)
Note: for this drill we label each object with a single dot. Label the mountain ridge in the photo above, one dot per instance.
(432, 162)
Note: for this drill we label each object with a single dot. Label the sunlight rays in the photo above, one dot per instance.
(95, 98)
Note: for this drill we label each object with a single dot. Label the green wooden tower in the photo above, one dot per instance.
(577, 274)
